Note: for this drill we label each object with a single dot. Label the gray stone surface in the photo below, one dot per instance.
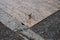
(49, 28)
(7, 34)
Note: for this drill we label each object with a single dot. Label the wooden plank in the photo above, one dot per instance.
(49, 27)
(17, 27)
(30, 12)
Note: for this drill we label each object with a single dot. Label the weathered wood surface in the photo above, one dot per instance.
(16, 26)
(49, 27)
(30, 12)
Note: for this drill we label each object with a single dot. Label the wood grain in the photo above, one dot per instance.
(37, 9)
